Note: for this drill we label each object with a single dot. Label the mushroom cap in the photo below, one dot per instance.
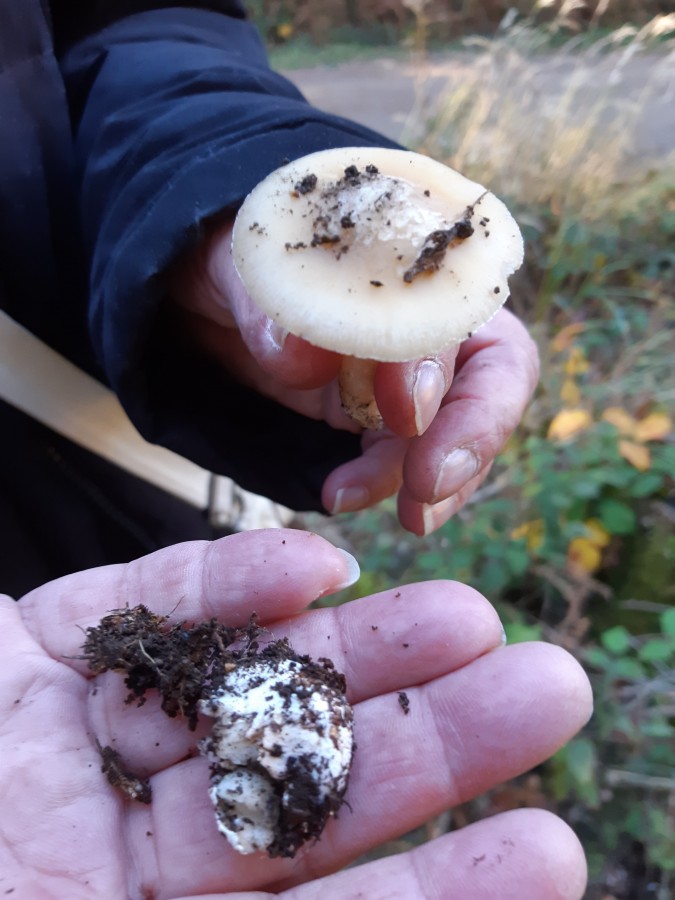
(329, 246)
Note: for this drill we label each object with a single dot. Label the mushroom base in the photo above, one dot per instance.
(280, 751)
(357, 394)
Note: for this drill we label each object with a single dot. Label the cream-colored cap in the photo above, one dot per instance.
(375, 253)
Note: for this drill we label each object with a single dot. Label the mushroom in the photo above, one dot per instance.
(379, 255)
(280, 750)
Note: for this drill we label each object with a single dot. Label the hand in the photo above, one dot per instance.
(446, 416)
(479, 713)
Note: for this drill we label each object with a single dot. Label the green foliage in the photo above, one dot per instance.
(572, 535)
(632, 737)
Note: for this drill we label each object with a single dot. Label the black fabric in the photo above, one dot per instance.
(74, 20)
(41, 269)
(146, 121)
(63, 509)
(213, 121)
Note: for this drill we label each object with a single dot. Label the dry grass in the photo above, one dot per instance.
(282, 20)
(566, 128)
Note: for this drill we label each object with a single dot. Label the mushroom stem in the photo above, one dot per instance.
(357, 395)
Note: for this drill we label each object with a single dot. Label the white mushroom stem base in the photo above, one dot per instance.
(357, 394)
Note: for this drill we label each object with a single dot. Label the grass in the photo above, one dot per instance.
(302, 53)
(559, 130)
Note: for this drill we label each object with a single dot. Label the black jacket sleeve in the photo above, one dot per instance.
(177, 116)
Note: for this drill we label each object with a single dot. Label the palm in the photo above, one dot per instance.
(61, 830)
(476, 717)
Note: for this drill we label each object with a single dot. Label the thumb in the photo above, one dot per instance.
(289, 359)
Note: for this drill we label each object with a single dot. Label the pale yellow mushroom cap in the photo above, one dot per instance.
(330, 246)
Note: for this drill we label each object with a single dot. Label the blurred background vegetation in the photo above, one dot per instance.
(572, 536)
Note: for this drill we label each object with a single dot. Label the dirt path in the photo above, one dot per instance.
(399, 99)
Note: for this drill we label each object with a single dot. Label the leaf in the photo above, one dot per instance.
(646, 485)
(597, 534)
(570, 394)
(657, 729)
(517, 558)
(668, 621)
(619, 477)
(568, 423)
(576, 363)
(566, 335)
(620, 419)
(657, 650)
(532, 532)
(654, 427)
(597, 658)
(583, 554)
(519, 632)
(637, 455)
(586, 487)
(494, 576)
(433, 560)
(664, 459)
(581, 760)
(617, 517)
(629, 669)
(616, 640)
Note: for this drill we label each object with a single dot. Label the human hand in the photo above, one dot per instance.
(446, 417)
(479, 713)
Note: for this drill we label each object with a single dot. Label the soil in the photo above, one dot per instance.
(119, 776)
(437, 243)
(182, 662)
(187, 664)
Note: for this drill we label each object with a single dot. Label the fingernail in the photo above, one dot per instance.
(353, 570)
(349, 499)
(428, 391)
(276, 335)
(436, 514)
(504, 638)
(457, 468)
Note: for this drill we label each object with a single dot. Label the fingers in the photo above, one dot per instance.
(515, 855)
(225, 323)
(409, 395)
(369, 478)
(273, 573)
(292, 361)
(401, 637)
(425, 518)
(465, 732)
(497, 373)
(383, 643)
(459, 430)
(21, 657)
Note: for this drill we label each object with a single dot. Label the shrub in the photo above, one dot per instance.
(572, 536)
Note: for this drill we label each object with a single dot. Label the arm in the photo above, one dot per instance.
(178, 116)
